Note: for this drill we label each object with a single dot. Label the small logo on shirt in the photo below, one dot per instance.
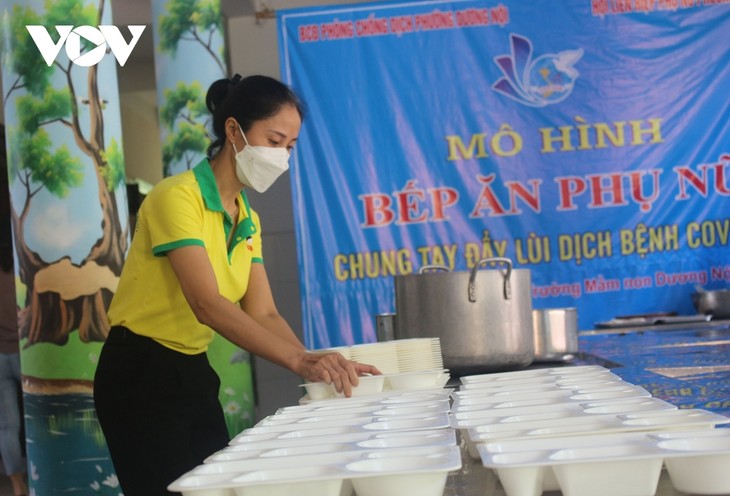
(249, 243)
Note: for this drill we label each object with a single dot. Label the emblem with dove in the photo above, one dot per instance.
(538, 82)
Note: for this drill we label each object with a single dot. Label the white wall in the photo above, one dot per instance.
(140, 134)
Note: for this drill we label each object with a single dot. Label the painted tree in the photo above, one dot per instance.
(62, 297)
(185, 116)
(184, 112)
(192, 20)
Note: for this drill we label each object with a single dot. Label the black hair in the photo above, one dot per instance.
(247, 100)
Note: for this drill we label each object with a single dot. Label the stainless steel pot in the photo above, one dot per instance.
(483, 317)
(555, 334)
(713, 302)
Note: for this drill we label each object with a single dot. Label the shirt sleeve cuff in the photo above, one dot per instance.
(161, 250)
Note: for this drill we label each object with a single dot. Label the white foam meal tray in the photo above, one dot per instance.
(371, 473)
(335, 444)
(619, 464)
(601, 424)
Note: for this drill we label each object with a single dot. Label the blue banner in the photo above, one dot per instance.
(586, 140)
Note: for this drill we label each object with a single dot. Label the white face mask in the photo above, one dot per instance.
(259, 166)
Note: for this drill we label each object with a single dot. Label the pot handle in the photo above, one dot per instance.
(433, 267)
(506, 275)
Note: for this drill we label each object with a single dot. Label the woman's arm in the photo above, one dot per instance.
(259, 304)
(197, 280)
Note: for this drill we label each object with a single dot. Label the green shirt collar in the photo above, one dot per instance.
(209, 189)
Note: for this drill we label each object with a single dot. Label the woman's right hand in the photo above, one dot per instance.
(335, 369)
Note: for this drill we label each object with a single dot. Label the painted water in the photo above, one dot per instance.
(66, 451)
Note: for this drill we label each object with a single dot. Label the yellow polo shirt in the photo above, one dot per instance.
(183, 210)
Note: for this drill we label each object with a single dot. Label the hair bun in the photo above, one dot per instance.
(217, 92)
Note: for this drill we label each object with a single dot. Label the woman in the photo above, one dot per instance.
(195, 268)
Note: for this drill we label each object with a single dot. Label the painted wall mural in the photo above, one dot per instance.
(189, 55)
(70, 228)
(69, 292)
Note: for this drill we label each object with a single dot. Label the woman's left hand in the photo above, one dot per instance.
(335, 369)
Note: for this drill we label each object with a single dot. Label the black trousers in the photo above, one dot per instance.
(158, 409)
